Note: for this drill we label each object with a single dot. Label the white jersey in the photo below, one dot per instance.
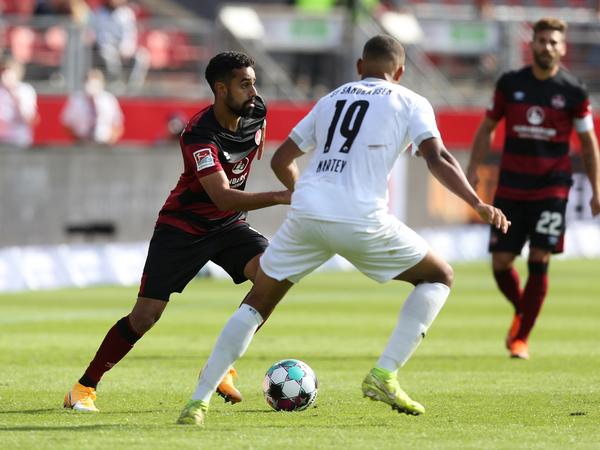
(357, 132)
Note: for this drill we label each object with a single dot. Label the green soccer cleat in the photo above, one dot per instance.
(193, 413)
(377, 386)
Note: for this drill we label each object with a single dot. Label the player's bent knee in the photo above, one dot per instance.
(142, 324)
(142, 321)
(446, 275)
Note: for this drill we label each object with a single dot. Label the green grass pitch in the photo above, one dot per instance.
(475, 396)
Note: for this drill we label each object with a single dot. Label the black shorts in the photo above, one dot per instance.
(175, 257)
(541, 222)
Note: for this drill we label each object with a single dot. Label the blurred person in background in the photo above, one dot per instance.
(116, 39)
(94, 114)
(541, 104)
(18, 106)
(203, 218)
(76, 9)
(174, 125)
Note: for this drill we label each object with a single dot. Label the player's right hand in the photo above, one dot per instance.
(493, 216)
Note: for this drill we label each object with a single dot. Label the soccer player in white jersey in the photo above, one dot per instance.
(339, 206)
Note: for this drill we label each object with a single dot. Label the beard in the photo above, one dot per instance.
(243, 110)
(545, 61)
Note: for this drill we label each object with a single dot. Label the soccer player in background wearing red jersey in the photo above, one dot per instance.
(541, 104)
(203, 219)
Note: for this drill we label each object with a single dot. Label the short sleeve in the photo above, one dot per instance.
(582, 112)
(69, 111)
(496, 110)
(28, 101)
(422, 124)
(303, 134)
(203, 159)
(118, 117)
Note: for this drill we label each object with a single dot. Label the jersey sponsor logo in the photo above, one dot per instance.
(258, 136)
(519, 95)
(534, 132)
(558, 101)
(204, 159)
(238, 181)
(240, 166)
(535, 115)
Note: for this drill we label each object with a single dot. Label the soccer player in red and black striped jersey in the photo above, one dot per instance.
(541, 104)
(204, 217)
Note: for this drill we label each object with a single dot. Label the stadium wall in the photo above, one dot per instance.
(77, 215)
(146, 121)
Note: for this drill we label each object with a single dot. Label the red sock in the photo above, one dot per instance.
(118, 342)
(510, 285)
(533, 297)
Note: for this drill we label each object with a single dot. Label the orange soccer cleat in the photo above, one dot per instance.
(513, 330)
(81, 398)
(519, 349)
(226, 388)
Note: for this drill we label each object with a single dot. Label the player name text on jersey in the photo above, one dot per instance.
(331, 165)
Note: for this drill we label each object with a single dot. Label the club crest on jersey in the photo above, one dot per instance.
(558, 101)
(535, 115)
(258, 136)
(240, 166)
(204, 158)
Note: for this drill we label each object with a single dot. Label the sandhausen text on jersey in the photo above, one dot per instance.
(357, 90)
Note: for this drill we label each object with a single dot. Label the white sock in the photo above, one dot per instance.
(420, 309)
(230, 346)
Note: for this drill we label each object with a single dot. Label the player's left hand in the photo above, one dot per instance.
(493, 216)
(595, 205)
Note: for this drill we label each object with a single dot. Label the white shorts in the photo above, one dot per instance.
(381, 251)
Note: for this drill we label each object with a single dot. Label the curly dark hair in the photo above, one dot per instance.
(221, 66)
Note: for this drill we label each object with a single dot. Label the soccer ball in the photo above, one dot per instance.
(290, 385)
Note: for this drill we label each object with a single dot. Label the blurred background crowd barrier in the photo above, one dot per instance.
(59, 188)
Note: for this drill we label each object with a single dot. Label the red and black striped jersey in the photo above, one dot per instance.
(539, 117)
(207, 148)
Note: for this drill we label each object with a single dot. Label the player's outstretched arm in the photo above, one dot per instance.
(217, 187)
(591, 163)
(284, 165)
(480, 148)
(448, 172)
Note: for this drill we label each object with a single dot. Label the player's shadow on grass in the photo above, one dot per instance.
(29, 411)
(64, 427)
(308, 357)
(162, 357)
(79, 413)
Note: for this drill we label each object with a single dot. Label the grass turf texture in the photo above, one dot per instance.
(476, 397)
